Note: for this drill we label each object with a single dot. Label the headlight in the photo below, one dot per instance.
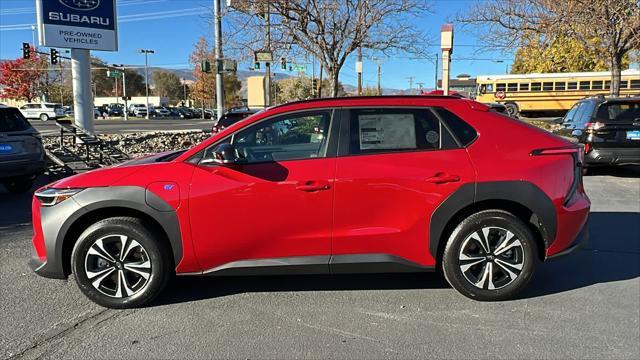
(50, 196)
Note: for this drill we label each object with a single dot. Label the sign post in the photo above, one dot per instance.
(82, 26)
(446, 44)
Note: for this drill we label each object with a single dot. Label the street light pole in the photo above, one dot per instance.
(146, 53)
(218, 55)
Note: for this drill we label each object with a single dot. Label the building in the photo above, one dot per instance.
(463, 84)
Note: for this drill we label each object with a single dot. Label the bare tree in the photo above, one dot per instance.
(331, 30)
(610, 28)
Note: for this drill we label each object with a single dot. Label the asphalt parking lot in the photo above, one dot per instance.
(583, 306)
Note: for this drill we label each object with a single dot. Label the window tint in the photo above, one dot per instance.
(585, 85)
(559, 86)
(547, 86)
(524, 87)
(635, 84)
(535, 86)
(461, 130)
(501, 87)
(385, 130)
(12, 120)
(622, 111)
(572, 85)
(292, 137)
(512, 87)
(596, 85)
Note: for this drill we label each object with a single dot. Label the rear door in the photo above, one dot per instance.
(395, 167)
(620, 124)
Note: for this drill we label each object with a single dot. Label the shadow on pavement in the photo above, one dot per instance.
(16, 208)
(622, 171)
(613, 254)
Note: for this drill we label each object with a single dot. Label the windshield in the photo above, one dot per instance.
(12, 120)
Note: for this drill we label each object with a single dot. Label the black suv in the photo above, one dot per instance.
(609, 128)
(21, 151)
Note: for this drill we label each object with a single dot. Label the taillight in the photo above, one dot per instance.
(577, 153)
(594, 126)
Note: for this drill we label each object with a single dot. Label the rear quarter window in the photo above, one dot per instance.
(464, 132)
(12, 120)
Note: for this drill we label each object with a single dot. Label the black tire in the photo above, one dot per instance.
(504, 285)
(44, 117)
(512, 110)
(19, 186)
(109, 232)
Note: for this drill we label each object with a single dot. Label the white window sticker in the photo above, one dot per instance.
(387, 131)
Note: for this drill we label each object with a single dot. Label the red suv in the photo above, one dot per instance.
(350, 185)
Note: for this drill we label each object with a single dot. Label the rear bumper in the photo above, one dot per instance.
(40, 267)
(18, 168)
(581, 240)
(610, 156)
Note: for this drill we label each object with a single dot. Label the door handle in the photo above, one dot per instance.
(312, 186)
(442, 178)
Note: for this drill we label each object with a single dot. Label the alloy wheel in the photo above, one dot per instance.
(118, 266)
(491, 258)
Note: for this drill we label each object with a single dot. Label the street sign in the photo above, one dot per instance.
(78, 24)
(263, 56)
(299, 68)
(114, 74)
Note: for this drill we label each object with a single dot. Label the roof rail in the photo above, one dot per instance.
(346, 98)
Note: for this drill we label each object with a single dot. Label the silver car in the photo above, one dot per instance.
(21, 151)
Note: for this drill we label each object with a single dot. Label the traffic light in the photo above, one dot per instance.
(205, 66)
(283, 63)
(315, 83)
(256, 66)
(54, 57)
(26, 50)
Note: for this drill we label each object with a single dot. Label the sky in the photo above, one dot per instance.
(171, 28)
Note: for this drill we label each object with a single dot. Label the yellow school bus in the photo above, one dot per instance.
(550, 93)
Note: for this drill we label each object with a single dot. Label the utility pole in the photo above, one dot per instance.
(435, 81)
(146, 53)
(184, 91)
(313, 77)
(359, 63)
(319, 92)
(410, 78)
(218, 57)
(117, 101)
(267, 45)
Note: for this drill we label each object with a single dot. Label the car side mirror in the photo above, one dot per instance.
(224, 154)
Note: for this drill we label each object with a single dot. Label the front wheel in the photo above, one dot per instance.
(44, 117)
(490, 256)
(119, 263)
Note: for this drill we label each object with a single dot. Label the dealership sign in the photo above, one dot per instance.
(78, 24)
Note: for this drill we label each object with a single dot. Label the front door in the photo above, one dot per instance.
(277, 208)
(399, 165)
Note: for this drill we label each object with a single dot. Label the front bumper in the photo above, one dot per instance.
(581, 240)
(611, 156)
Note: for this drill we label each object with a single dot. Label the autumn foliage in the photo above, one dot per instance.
(22, 78)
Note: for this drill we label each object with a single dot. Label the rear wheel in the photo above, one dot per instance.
(490, 256)
(512, 109)
(119, 263)
(44, 117)
(20, 185)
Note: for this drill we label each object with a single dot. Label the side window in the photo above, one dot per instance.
(547, 86)
(571, 113)
(501, 87)
(489, 88)
(572, 85)
(585, 114)
(464, 132)
(290, 137)
(559, 86)
(387, 130)
(635, 84)
(535, 86)
(524, 87)
(596, 85)
(585, 85)
(512, 87)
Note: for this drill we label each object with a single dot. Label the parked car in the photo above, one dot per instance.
(21, 151)
(231, 117)
(115, 110)
(42, 111)
(161, 111)
(138, 110)
(609, 128)
(185, 113)
(99, 113)
(209, 114)
(347, 185)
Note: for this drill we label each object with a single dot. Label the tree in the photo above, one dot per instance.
(610, 29)
(168, 84)
(299, 88)
(203, 88)
(23, 78)
(100, 82)
(332, 30)
(369, 91)
(232, 88)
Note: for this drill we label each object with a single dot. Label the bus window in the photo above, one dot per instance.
(585, 85)
(635, 84)
(501, 87)
(547, 86)
(607, 85)
(624, 84)
(524, 87)
(596, 85)
(572, 85)
(489, 88)
(512, 87)
(559, 86)
(535, 86)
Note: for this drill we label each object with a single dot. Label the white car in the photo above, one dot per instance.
(138, 110)
(42, 111)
